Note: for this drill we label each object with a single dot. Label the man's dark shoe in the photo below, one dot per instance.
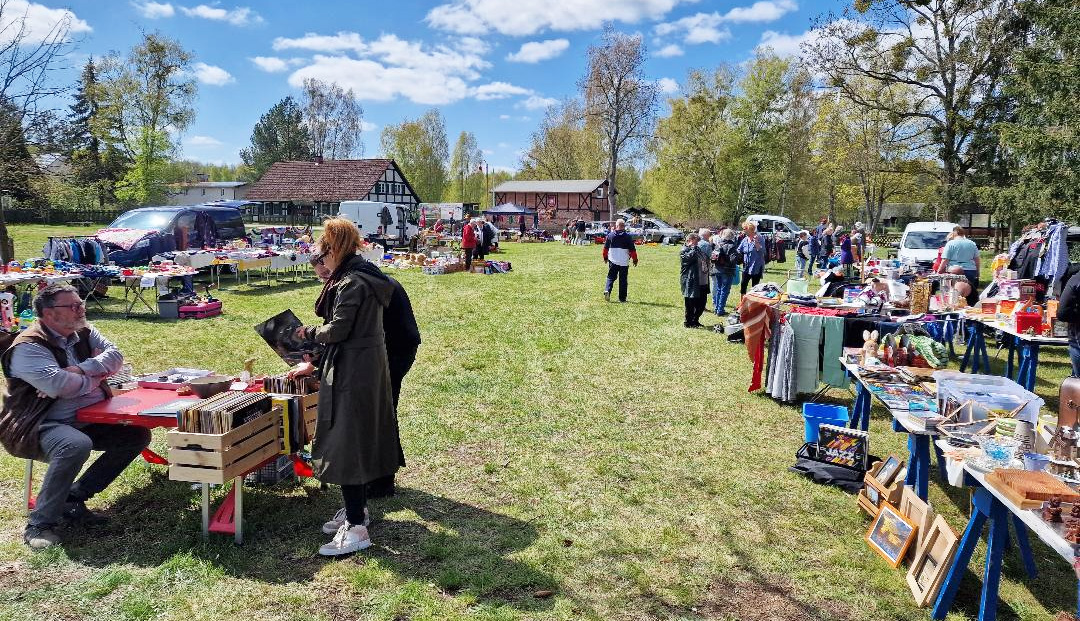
(40, 537)
(78, 513)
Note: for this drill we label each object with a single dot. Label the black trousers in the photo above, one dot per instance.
(690, 306)
(468, 258)
(749, 280)
(702, 302)
(355, 497)
(622, 273)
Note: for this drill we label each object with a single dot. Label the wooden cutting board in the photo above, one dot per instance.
(1028, 489)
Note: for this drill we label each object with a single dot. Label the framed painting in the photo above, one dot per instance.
(890, 534)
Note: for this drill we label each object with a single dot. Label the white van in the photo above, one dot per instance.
(369, 216)
(921, 240)
(783, 227)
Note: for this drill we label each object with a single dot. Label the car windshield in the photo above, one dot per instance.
(150, 219)
(925, 240)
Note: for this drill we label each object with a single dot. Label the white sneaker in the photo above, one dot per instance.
(348, 539)
(331, 527)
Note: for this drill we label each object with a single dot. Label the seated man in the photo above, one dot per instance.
(53, 368)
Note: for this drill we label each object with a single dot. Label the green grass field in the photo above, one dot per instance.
(568, 459)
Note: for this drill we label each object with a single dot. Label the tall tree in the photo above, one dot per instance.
(693, 176)
(95, 163)
(420, 148)
(951, 54)
(148, 99)
(280, 135)
(1043, 139)
(16, 164)
(333, 119)
(564, 146)
(620, 100)
(467, 185)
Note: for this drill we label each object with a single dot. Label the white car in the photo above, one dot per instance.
(921, 240)
(784, 228)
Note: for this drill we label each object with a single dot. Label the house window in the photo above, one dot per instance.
(204, 191)
(223, 191)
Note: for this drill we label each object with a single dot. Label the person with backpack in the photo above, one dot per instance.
(1069, 312)
(724, 254)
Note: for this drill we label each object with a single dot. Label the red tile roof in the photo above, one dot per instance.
(331, 181)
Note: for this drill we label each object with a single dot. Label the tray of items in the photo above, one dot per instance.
(171, 379)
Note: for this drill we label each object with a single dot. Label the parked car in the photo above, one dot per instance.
(782, 227)
(920, 242)
(656, 230)
(173, 228)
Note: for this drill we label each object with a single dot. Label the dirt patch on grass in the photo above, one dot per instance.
(771, 599)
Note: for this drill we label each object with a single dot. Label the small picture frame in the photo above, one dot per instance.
(873, 495)
(888, 470)
(890, 534)
(919, 512)
(932, 562)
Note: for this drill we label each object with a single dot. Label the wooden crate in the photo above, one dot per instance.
(309, 406)
(216, 458)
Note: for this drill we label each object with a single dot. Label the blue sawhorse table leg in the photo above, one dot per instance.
(918, 472)
(975, 353)
(1009, 364)
(950, 335)
(987, 507)
(860, 408)
(1029, 362)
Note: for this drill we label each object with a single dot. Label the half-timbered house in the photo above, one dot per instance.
(557, 201)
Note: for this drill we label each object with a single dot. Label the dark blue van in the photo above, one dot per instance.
(175, 228)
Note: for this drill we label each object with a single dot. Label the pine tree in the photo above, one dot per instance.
(279, 136)
(94, 162)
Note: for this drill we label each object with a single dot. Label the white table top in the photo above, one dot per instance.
(1050, 534)
(1004, 327)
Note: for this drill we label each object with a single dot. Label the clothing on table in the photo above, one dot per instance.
(782, 374)
(755, 313)
(808, 331)
(1054, 259)
(832, 372)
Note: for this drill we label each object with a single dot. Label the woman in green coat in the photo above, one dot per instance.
(356, 435)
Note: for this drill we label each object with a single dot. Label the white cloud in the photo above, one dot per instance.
(386, 68)
(240, 16)
(528, 17)
(209, 74)
(487, 151)
(498, 90)
(536, 102)
(699, 28)
(270, 64)
(667, 85)
(708, 27)
(504, 117)
(669, 51)
(785, 44)
(368, 127)
(536, 51)
(154, 10)
(764, 11)
(503, 145)
(39, 21)
(203, 141)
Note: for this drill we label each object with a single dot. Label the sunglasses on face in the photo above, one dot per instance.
(318, 259)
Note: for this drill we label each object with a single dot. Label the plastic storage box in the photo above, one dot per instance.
(986, 393)
(815, 414)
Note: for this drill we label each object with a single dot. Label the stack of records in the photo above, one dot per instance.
(282, 385)
(223, 412)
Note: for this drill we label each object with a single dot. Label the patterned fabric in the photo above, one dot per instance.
(754, 312)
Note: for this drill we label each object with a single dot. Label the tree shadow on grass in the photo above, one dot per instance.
(259, 287)
(459, 547)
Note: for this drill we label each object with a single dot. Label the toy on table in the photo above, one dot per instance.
(869, 350)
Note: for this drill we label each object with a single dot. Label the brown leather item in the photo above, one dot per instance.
(1069, 402)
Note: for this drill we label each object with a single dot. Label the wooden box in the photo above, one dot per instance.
(309, 406)
(873, 491)
(218, 457)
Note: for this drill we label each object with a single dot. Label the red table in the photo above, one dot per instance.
(123, 409)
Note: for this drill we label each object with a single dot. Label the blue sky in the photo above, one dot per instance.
(490, 66)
